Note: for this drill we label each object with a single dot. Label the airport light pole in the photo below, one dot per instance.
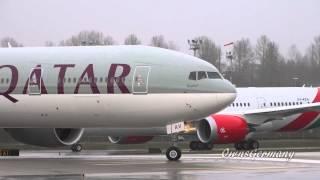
(229, 55)
(195, 45)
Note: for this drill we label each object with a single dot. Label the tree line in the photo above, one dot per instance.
(250, 64)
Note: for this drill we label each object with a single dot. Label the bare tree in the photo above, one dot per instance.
(261, 48)
(108, 40)
(159, 41)
(49, 43)
(294, 54)
(314, 50)
(132, 39)
(208, 51)
(270, 59)
(245, 65)
(88, 38)
(242, 51)
(7, 41)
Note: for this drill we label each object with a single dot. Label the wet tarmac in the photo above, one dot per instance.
(112, 165)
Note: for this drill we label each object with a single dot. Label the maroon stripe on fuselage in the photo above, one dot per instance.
(304, 119)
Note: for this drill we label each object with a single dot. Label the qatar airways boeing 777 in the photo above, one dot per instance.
(50, 94)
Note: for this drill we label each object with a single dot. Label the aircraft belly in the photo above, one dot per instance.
(108, 110)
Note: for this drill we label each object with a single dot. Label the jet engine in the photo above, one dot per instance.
(46, 137)
(129, 139)
(222, 129)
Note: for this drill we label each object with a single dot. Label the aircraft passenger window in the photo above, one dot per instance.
(286, 104)
(74, 80)
(270, 104)
(193, 76)
(244, 104)
(214, 75)
(293, 103)
(7, 80)
(289, 103)
(241, 104)
(95, 79)
(282, 104)
(274, 104)
(2, 80)
(69, 80)
(202, 75)
(237, 104)
(101, 79)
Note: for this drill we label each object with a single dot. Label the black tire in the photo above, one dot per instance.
(76, 148)
(238, 146)
(193, 145)
(245, 145)
(201, 146)
(209, 146)
(173, 153)
(254, 144)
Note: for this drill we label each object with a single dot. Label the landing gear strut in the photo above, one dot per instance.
(247, 145)
(197, 145)
(76, 148)
(173, 153)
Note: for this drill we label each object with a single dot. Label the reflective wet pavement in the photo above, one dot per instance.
(102, 165)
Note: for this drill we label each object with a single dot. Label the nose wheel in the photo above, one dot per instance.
(173, 153)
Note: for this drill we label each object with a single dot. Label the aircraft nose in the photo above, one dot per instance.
(227, 87)
(227, 93)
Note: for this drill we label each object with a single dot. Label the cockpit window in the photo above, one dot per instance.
(202, 75)
(193, 76)
(214, 75)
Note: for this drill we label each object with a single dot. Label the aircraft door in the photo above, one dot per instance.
(34, 81)
(141, 80)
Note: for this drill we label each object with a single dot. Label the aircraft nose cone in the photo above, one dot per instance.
(228, 93)
(228, 87)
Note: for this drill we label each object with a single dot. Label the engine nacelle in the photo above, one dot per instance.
(129, 139)
(222, 129)
(46, 137)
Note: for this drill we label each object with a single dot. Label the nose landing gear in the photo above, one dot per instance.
(173, 153)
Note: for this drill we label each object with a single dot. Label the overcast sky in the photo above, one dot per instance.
(287, 22)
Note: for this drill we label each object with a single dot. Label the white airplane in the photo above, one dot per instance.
(50, 94)
(258, 110)
(255, 110)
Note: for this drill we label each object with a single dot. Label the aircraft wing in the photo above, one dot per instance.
(260, 116)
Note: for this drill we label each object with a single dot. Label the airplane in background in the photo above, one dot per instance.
(260, 110)
(49, 95)
(255, 110)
